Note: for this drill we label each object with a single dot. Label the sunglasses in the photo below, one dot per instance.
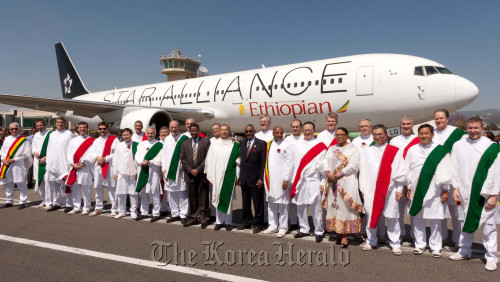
(13, 128)
(102, 128)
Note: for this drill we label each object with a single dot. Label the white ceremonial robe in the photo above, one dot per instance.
(432, 208)
(265, 135)
(402, 141)
(362, 142)
(36, 147)
(292, 208)
(138, 138)
(308, 190)
(97, 149)
(177, 190)
(83, 175)
(126, 178)
(465, 157)
(370, 165)
(57, 166)
(326, 137)
(152, 187)
(280, 168)
(215, 167)
(16, 175)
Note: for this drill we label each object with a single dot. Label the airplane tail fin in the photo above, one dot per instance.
(71, 84)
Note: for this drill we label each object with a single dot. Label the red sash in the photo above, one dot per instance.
(76, 159)
(106, 152)
(382, 186)
(334, 142)
(144, 137)
(413, 142)
(306, 159)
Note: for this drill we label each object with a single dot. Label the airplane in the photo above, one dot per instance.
(380, 87)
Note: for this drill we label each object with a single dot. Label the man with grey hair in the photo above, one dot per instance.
(404, 142)
(327, 136)
(266, 133)
(16, 159)
(365, 139)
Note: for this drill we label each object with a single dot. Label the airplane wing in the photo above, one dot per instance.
(84, 108)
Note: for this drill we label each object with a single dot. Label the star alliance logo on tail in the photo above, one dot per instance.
(67, 84)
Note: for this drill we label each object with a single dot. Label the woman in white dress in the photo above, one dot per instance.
(341, 196)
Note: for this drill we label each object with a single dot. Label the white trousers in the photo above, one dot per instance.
(436, 238)
(380, 226)
(99, 197)
(224, 218)
(9, 192)
(317, 215)
(278, 221)
(41, 191)
(393, 232)
(155, 197)
(292, 214)
(402, 207)
(58, 192)
(179, 203)
(122, 204)
(455, 223)
(489, 242)
(76, 193)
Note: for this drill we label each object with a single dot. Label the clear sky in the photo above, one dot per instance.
(119, 43)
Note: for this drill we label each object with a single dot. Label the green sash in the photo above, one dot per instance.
(476, 201)
(43, 153)
(454, 137)
(176, 156)
(226, 191)
(425, 178)
(144, 173)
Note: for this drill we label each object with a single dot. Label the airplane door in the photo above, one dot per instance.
(364, 81)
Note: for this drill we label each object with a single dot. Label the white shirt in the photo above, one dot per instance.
(265, 135)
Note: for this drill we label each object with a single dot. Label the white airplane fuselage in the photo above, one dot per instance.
(380, 87)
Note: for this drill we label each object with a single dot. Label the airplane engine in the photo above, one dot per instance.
(149, 117)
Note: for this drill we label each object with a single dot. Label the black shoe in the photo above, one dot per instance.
(257, 230)
(172, 219)
(154, 219)
(164, 213)
(300, 235)
(54, 208)
(218, 227)
(192, 221)
(319, 238)
(67, 209)
(140, 217)
(21, 206)
(337, 242)
(184, 221)
(293, 227)
(229, 227)
(243, 227)
(204, 225)
(7, 205)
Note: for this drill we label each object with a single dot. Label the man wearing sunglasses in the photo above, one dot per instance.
(16, 159)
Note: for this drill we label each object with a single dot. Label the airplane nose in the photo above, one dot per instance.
(465, 92)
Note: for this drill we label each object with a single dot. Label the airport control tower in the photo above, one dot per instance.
(176, 66)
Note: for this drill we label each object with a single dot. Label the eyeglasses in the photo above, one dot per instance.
(102, 128)
(13, 128)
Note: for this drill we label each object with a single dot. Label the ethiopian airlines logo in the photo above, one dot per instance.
(295, 109)
(67, 84)
(242, 110)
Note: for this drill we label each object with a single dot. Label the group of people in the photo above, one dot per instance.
(351, 186)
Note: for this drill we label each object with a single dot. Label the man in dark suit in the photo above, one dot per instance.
(193, 153)
(253, 161)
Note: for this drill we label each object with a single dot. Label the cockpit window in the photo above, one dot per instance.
(419, 71)
(444, 70)
(430, 70)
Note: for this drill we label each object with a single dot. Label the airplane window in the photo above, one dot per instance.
(282, 86)
(316, 82)
(295, 84)
(288, 85)
(418, 71)
(332, 80)
(276, 86)
(190, 95)
(340, 80)
(257, 88)
(309, 83)
(430, 70)
(208, 93)
(222, 92)
(302, 84)
(324, 81)
(217, 92)
(444, 70)
(269, 87)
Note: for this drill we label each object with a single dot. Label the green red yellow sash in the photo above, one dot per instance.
(10, 154)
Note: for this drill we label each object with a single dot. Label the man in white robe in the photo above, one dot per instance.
(175, 184)
(152, 186)
(307, 181)
(365, 139)
(215, 137)
(277, 184)
(328, 135)
(404, 141)
(138, 135)
(475, 175)
(165, 206)
(102, 153)
(125, 175)
(447, 135)
(15, 166)
(266, 132)
(394, 175)
(428, 196)
(83, 168)
(218, 156)
(296, 136)
(36, 148)
(57, 166)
